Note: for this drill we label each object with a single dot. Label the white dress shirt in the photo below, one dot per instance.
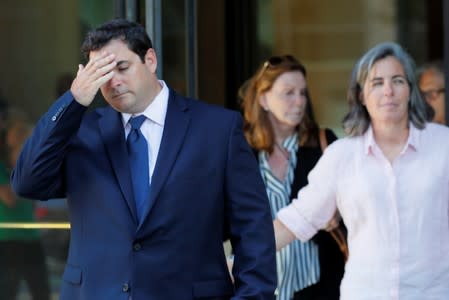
(153, 127)
(397, 214)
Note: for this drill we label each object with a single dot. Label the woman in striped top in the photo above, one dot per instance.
(280, 127)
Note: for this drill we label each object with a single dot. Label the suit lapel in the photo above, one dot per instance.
(175, 128)
(111, 129)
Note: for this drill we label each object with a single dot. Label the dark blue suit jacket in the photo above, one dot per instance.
(206, 184)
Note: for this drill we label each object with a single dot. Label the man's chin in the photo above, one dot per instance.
(120, 104)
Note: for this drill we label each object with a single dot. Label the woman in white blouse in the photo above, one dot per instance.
(389, 179)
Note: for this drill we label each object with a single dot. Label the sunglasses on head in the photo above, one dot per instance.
(275, 61)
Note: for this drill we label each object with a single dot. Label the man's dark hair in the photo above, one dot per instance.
(133, 34)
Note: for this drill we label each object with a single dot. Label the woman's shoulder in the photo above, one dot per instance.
(345, 146)
(435, 128)
(435, 134)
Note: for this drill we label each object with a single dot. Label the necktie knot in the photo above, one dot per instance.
(136, 122)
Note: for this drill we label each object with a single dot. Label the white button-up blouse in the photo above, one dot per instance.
(397, 215)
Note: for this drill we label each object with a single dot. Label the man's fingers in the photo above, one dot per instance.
(105, 69)
(94, 58)
(85, 78)
(92, 76)
(80, 68)
(99, 62)
(103, 79)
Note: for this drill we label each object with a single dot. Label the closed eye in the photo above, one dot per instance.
(122, 65)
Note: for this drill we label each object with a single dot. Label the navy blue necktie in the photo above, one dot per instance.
(138, 161)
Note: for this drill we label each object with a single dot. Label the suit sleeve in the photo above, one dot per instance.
(39, 169)
(250, 222)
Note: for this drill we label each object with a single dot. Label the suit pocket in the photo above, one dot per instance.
(72, 275)
(219, 289)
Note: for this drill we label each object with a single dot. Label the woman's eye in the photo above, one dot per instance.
(398, 81)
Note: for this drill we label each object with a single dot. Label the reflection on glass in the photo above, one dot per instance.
(43, 51)
(22, 256)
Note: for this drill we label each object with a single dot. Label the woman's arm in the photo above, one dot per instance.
(282, 235)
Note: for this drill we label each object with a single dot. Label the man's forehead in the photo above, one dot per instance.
(117, 47)
(431, 78)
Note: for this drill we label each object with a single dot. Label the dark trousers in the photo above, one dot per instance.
(23, 260)
(316, 292)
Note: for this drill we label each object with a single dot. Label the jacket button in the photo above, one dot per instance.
(137, 247)
(125, 287)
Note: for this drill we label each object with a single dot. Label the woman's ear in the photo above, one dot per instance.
(360, 96)
(263, 102)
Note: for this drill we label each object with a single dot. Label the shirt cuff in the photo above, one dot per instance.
(296, 223)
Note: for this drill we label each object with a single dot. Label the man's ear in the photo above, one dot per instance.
(151, 60)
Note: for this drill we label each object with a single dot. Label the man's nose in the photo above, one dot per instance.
(114, 81)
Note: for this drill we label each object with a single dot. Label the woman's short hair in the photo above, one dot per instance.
(357, 121)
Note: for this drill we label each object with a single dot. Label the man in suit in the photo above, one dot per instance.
(157, 233)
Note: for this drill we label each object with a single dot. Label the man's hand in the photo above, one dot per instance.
(91, 77)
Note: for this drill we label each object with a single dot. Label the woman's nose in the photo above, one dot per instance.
(388, 88)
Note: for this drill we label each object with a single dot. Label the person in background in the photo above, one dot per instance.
(153, 183)
(431, 84)
(4, 109)
(389, 179)
(21, 253)
(280, 127)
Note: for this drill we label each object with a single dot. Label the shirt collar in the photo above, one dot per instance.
(291, 143)
(157, 109)
(414, 137)
(412, 141)
(369, 142)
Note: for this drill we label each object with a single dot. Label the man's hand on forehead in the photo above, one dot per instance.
(91, 77)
